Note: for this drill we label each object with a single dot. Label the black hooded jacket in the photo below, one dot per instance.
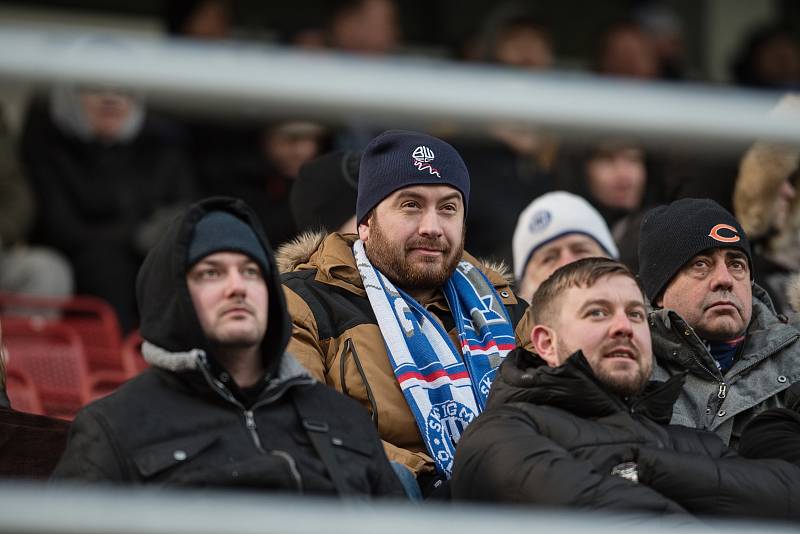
(183, 422)
(553, 436)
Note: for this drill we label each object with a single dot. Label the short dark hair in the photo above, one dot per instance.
(582, 273)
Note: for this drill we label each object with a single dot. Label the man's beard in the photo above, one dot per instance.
(622, 386)
(390, 259)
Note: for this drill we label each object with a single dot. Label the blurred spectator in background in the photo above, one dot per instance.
(513, 35)
(24, 269)
(509, 165)
(556, 229)
(106, 179)
(331, 176)
(614, 175)
(363, 26)
(768, 59)
(625, 50)
(357, 26)
(509, 168)
(663, 27)
(30, 445)
(256, 161)
(199, 19)
(768, 209)
(360, 27)
(260, 164)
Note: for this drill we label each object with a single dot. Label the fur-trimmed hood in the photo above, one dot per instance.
(300, 254)
(762, 171)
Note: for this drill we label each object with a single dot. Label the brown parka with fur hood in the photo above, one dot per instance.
(336, 335)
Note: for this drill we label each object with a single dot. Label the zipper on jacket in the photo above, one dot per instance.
(292, 467)
(250, 423)
(342, 362)
(352, 349)
(723, 390)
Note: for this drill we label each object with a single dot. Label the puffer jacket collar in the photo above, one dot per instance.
(573, 387)
(332, 257)
(767, 333)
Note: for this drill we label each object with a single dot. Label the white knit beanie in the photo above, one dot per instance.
(555, 215)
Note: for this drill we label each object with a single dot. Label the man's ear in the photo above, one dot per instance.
(545, 343)
(363, 228)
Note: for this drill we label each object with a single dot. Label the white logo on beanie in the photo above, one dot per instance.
(423, 154)
(539, 221)
(422, 157)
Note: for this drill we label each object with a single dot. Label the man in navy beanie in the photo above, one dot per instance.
(223, 404)
(711, 321)
(398, 316)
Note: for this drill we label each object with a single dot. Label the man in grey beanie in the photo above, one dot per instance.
(399, 317)
(711, 321)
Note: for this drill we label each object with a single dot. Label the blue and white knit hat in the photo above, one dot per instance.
(398, 158)
(552, 216)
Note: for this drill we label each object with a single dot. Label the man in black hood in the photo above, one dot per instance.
(223, 404)
(579, 424)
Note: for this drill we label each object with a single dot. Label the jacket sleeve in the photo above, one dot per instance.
(92, 454)
(504, 458)
(305, 345)
(730, 485)
(774, 433)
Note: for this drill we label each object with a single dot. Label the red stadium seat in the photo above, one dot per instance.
(51, 354)
(93, 319)
(22, 392)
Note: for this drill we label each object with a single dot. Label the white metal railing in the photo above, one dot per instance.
(246, 78)
(93, 510)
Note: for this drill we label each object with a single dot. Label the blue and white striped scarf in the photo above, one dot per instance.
(444, 391)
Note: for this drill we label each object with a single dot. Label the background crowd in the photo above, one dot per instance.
(96, 171)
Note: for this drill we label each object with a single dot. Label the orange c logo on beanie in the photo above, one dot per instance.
(715, 234)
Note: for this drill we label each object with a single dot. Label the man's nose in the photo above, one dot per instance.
(720, 277)
(430, 225)
(621, 325)
(235, 283)
(566, 257)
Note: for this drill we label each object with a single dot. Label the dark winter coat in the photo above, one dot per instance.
(775, 433)
(30, 445)
(552, 436)
(184, 422)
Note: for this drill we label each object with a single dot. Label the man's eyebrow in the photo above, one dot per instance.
(594, 302)
(607, 302)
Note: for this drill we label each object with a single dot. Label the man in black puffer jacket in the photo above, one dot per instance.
(223, 404)
(579, 424)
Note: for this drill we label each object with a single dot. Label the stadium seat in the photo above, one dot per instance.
(93, 319)
(51, 354)
(22, 392)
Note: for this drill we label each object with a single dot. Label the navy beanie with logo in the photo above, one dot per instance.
(672, 235)
(220, 231)
(398, 158)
